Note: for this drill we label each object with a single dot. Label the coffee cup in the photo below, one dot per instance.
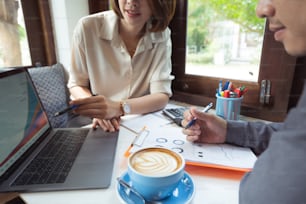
(155, 172)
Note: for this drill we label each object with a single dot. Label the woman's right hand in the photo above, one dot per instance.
(97, 107)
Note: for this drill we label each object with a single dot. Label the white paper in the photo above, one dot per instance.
(158, 132)
(152, 120)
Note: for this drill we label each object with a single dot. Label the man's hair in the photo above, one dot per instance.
(162, 12)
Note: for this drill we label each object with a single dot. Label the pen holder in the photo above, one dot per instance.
(228, 108)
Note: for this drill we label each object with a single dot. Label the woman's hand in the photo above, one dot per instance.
(111, 125)
(97, 107)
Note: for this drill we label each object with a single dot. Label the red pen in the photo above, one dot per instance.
(238, 92)
(226, 94)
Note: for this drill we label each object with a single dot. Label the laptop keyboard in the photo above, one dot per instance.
(55, 160)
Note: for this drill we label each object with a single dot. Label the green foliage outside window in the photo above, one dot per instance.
(206, 18)
(239, 11)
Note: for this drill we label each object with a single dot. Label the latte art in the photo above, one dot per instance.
(155, 172)
(155, 162)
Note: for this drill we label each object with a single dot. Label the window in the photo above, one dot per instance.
(27, 37)
(14, 49)
(223, 41)
(275, 65)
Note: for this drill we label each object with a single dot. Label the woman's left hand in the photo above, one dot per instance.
(111, 125)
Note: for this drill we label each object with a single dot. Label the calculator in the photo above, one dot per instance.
(175, 114)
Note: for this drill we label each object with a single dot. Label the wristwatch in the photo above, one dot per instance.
(125, 107)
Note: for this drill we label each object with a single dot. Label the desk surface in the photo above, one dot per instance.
(213, 186)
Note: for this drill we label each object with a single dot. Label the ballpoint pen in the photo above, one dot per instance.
(70, 108)
(194, 119)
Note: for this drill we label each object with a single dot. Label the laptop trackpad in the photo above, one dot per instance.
(93, 166)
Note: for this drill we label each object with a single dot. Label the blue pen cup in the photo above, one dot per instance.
(228, 108)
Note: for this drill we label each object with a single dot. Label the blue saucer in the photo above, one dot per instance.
(183, 193)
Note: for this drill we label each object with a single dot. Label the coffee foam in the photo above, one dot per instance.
(155, 162)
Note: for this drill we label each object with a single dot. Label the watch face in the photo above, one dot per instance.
(126, 108)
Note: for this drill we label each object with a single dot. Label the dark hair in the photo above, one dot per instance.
(162, 12)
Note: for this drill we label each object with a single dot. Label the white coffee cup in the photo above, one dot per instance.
(155, 172)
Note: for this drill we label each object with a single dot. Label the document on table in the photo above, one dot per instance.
(154, 130)
(154, 120)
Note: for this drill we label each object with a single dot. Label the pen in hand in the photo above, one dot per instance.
(194, 119)
(70, 108)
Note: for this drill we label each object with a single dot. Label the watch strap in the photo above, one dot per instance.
(121, 108)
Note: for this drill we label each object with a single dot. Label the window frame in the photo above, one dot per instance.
(98, 5)
(39, 30)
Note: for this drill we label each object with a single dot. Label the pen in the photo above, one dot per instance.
(70, 108)
(220, 88)
(194, 119)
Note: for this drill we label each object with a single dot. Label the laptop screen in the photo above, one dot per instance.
(22, 119)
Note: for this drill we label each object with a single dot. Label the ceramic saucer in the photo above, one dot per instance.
(183, 193)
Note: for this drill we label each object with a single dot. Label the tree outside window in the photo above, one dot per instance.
(223, 38)
(14, 49)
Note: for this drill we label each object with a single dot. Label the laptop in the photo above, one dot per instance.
(36, 157)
